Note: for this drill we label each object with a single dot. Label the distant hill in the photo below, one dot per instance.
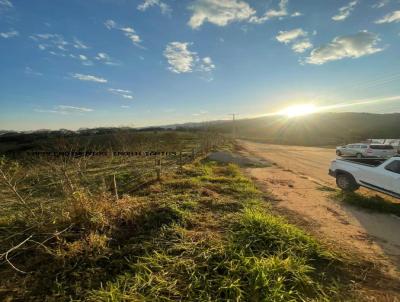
(317, 129)
(313, 130)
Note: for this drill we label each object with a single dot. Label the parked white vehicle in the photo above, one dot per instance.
(366, 150)
(376, 174)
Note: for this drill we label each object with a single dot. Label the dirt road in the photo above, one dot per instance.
(312, 161)
(296, 180)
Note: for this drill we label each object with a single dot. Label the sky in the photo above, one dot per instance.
(74, 64)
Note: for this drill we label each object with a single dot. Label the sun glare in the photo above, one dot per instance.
(298, 110)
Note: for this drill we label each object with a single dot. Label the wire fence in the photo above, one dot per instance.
(121, 172)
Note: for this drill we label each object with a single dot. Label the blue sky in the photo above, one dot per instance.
(72, 64)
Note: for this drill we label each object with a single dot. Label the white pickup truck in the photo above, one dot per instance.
(376, 174)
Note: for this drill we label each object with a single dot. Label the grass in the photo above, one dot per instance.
(205, 234)
(371, 203)
(186, 268)
(262, 234)
(253, 255)
(324, 188)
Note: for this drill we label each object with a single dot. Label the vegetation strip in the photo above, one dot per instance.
(371, 203)
(203, 234)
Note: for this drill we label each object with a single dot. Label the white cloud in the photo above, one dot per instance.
(296, 14)
(50, 41)
(102, 56)
(201, 112)
(90, 78)
(5, 5)
(206, 67)
(30, 71)
(345, 11)
(65, 110)
(182, 60)
(288, 36)
(380, 3)
(58, 54)
(302, 45)
(206, 64)
(57, 45)
(298, 38)
(165, 8)
(134, 38)
(223, 12)
(106, 59)
(85, 60)
(219, 12)
(110, 24)
(126, 94)
(74, 109)
(389, 18)
(273, 13)
(129, 32)
(79, 44)
(82, 58)
(9, 34)
(350, 46)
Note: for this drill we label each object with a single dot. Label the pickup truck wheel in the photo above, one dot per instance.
(346, 182)
(359, 155)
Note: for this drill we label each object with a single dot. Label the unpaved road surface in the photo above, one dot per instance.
(312, 161)
(298, 180)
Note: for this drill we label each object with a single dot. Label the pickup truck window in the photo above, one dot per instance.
(394, 166)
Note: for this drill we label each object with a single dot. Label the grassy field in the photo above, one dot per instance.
(202, 233)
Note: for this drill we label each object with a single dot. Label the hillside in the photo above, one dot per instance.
(313, 130)
(317, 129)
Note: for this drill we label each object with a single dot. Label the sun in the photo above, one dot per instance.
(298, 110)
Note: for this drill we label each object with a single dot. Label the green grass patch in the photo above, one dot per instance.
(185, 269)
(262, 234)
(371, 203)
(237, 186)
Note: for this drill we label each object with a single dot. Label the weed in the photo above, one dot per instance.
(372, 203)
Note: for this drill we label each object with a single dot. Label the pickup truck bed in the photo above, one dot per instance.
(372, 162)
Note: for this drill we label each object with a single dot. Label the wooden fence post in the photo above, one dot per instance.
(180, 162)
(115, 187)
(192, 154)
(158, 168)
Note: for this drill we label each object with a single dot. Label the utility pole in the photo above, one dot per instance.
(233, 125)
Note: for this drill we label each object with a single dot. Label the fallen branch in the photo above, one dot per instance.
(5, 255)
